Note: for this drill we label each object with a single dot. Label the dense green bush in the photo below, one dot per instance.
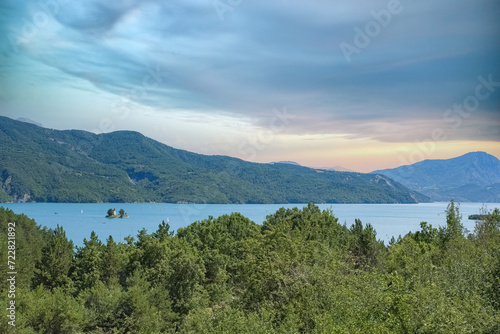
(299, 272)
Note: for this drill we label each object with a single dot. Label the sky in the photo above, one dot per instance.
(366, 85)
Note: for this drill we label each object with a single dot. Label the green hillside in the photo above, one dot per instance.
(43, 165)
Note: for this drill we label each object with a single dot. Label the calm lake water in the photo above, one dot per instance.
(80, 219)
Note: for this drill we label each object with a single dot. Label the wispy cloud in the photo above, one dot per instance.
(266, 54)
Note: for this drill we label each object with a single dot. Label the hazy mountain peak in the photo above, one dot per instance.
(469, 177)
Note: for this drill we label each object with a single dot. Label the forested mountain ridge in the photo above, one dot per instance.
(44, 165)
(473, 177)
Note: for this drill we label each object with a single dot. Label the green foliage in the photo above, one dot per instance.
(454, 228)
(55, 311)
(29, 242)
(427, 234)
(300, 272)
(4, 198)
(163, 231)
(487, 237)
(364, 249)
(53, 269)
(145, 308)
(104, 306)
(310, 223)
(87, 263)
(113, 261)
(219, 243)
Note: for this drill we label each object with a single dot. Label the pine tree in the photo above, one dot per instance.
(88, 263)
(57, 256)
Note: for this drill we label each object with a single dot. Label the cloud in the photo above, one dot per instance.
(267, 55)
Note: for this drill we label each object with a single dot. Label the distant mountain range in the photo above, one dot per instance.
(473, 177)
(44, 165)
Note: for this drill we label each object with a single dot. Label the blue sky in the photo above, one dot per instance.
(263, 80)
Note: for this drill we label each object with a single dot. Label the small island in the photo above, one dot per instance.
(112, 214)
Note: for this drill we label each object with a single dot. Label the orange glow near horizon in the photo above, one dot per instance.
(365, 155)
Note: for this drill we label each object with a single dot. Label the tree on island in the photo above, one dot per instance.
(112, 214)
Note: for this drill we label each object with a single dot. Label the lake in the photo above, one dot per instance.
(80, 219)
